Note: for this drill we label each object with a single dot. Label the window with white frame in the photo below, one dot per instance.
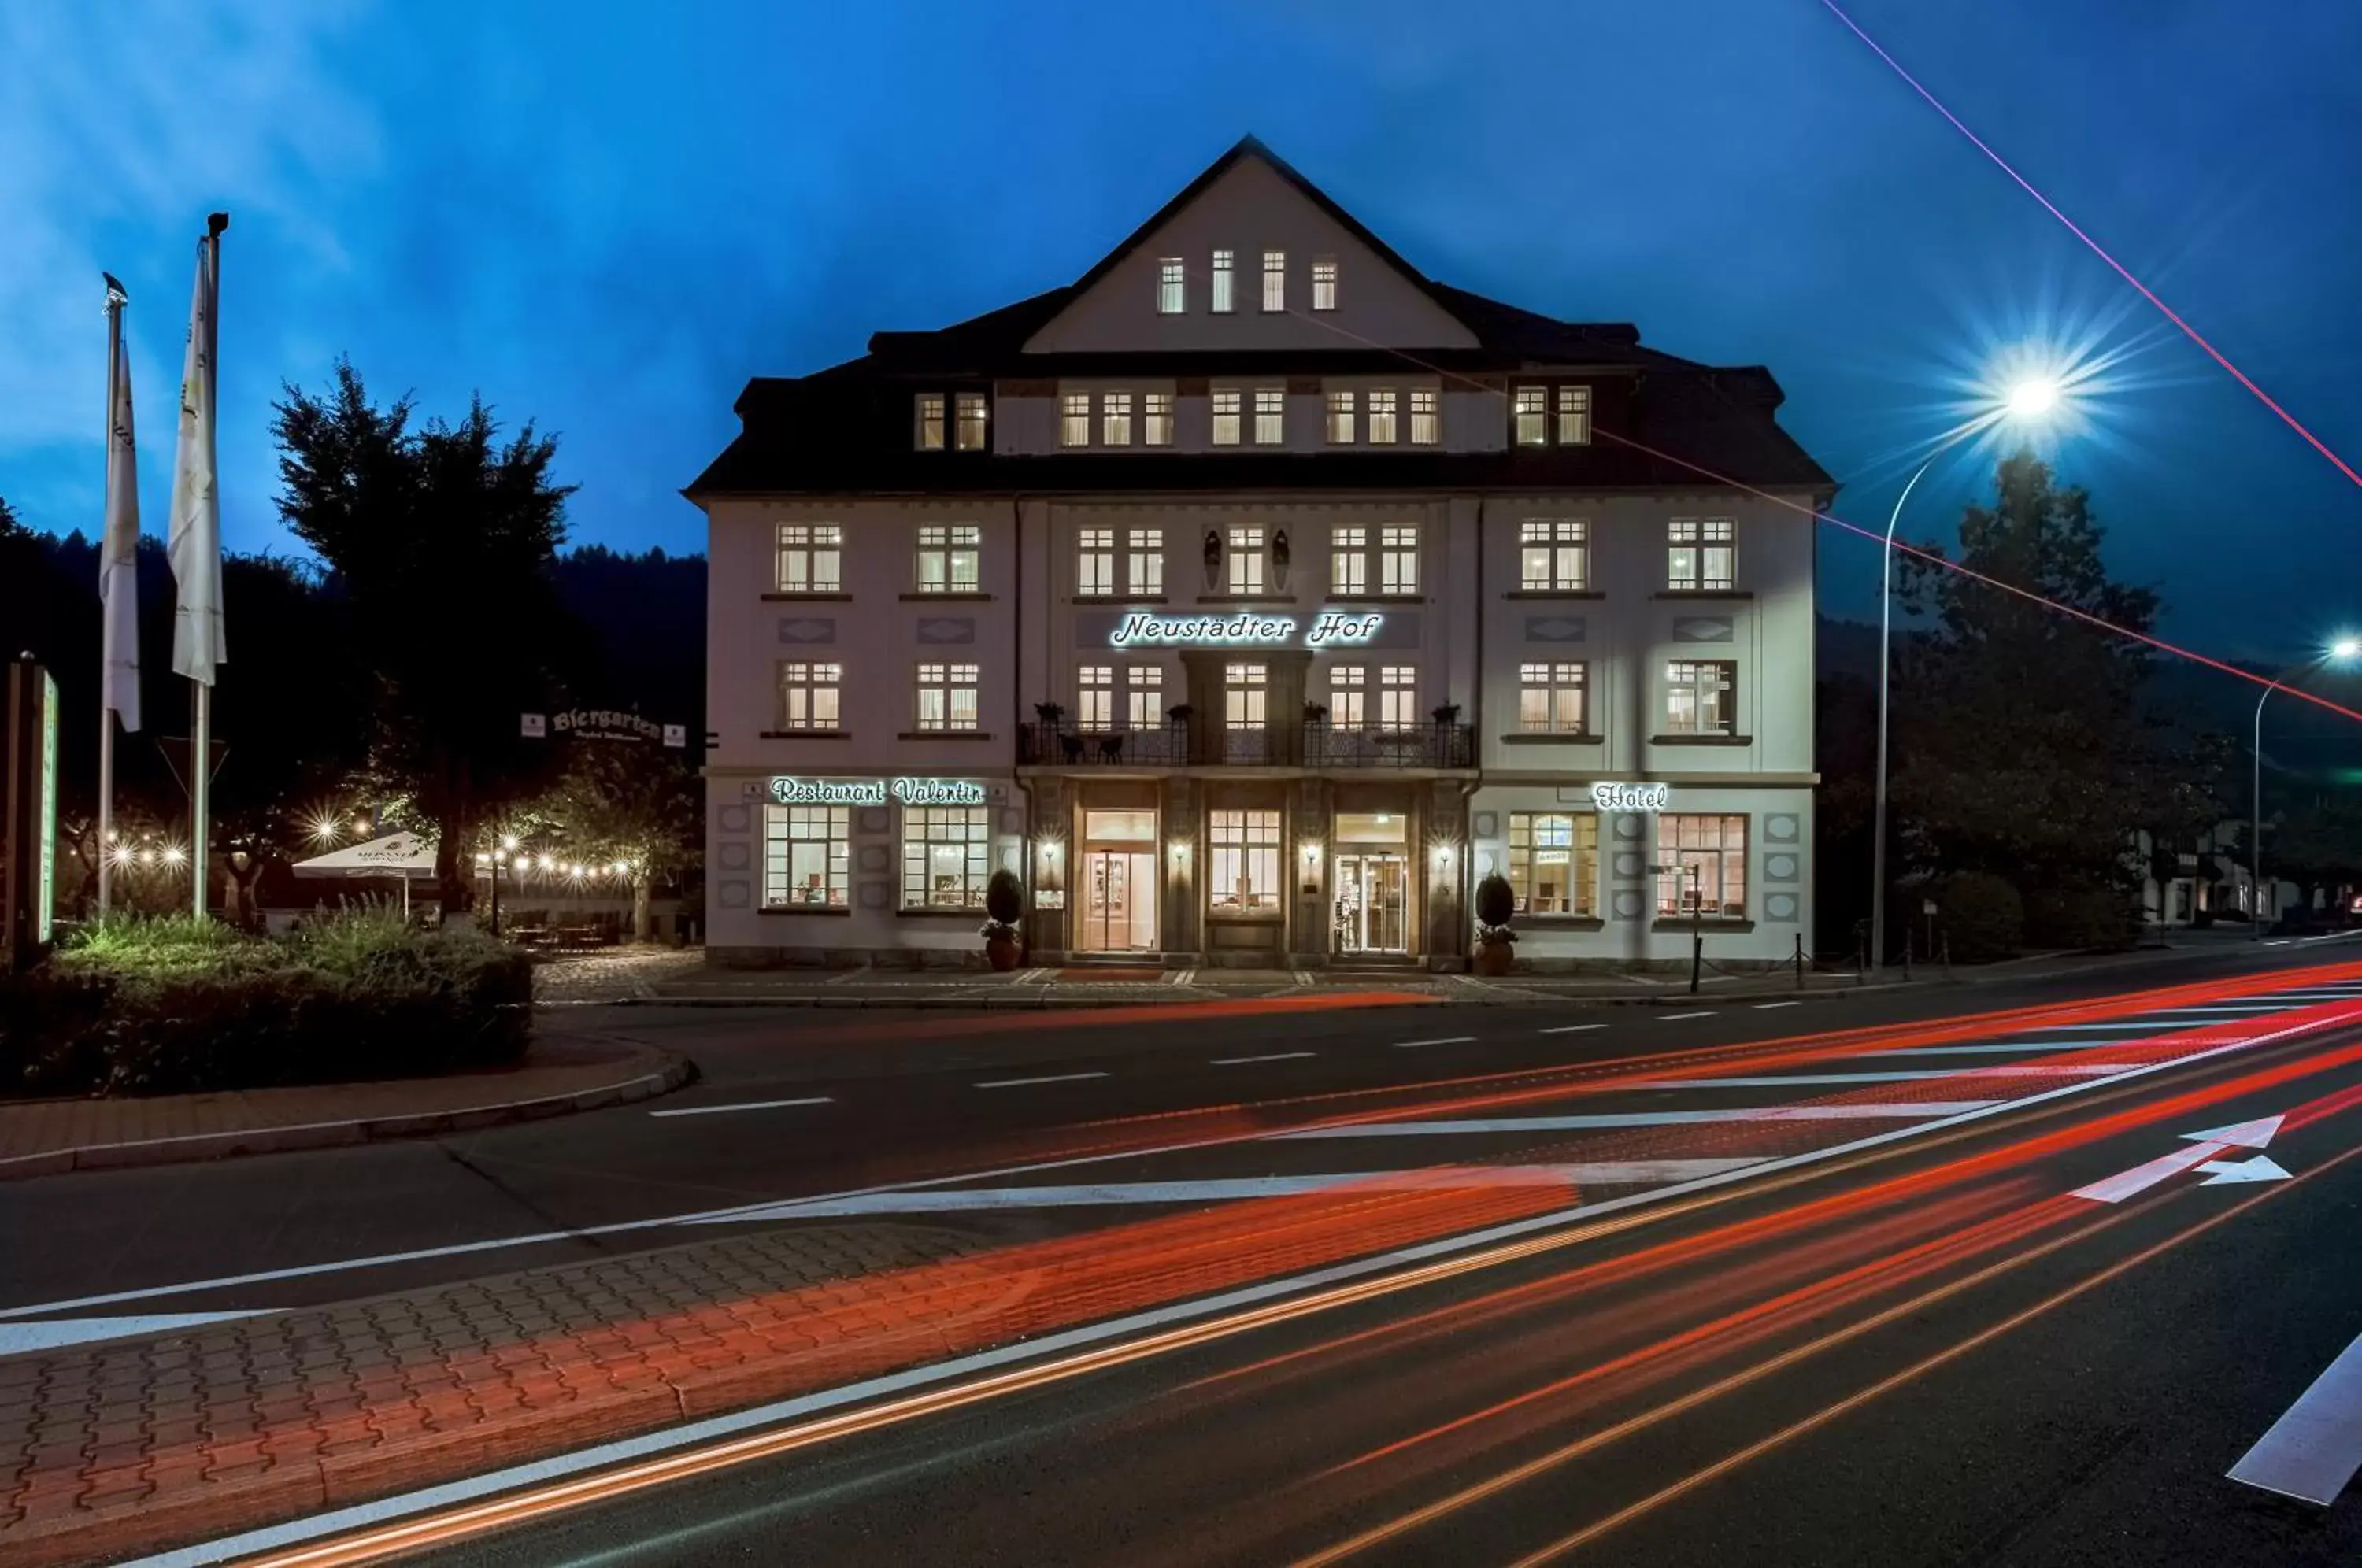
(975, 416)
(1397, 696)
(1145, 562)
(1271, 415)
(1168, 285)
(809, 558)
(1156, 419)
(1075, 419)
(1115, 418)
(1246, 696)
(1553, 555)
(1349, 696)
(1324, 282)
(1575, 416)
(807, 856)
(930, 422)
(1554, 862)
(1701, 697)
(1382, 416)
(1349, 561)
(1095, 563)
(1426, 421)
(1550, 699)
(1702, 865)
(808, 693)
(1275, 279)
(1226, 415)
(1398, 558)
(1222, 303)
(947, 696)
(1341, 419)
(1143, 696)
(1532, 406)
(948, 554)
(946, 857)
(1246, 558)
(1701, 553)
(1095, 697)
(1245, 871)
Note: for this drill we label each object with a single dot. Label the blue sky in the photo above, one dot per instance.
(607, 218)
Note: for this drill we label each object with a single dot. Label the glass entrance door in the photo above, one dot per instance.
(1118, 901)
(1373, 904)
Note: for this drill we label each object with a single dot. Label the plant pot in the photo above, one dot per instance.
(1495, 958)
(1004, 952)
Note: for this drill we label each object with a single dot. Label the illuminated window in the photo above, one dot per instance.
(1168, 286)
(1341, 418)
(1095, 697)
(808, 555)
(1532, 413)
(1701, 697)
(1349, 696)
(1324, 282)
(1398, 558)
(1575, 416)
(1550, 699)
(1553, 555)
(947, 696)
(1554, 862)
(1382, 417)
(1221, 303)
(974, 417)
(1425, 424)
(1246, 561)
(1157, 419)
(1094, 563)
(1115, 418)
(1145, 696)
(1702, 865)
(1075, 419)
(1700, 553)
(947, 557)
(1349, 561)
(1271, 415)
(1225, 416)
(1397, 696)
(1275, 279)
(930, 422)
(1146, 562)
(1246, 690)
(806, 853)
(1245, 871)
(808, 695)
(946, 857)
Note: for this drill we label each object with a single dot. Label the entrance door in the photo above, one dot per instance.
(1373, 904)
(1118, 901)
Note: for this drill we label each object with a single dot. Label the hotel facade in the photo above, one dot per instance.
(1252, 597)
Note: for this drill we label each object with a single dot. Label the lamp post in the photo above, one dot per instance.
(2029, 402)
(2339, 651)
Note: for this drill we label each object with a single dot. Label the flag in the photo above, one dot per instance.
(196, 510)
(118, 554)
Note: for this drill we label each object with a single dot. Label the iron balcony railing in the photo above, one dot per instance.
(1323, 746)
(1055, 746)
(1422, 746)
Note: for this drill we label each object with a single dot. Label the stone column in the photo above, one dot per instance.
(1448, 931)
(1179, 879)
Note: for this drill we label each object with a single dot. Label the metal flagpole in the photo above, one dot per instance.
(114, 301)
(201, 761)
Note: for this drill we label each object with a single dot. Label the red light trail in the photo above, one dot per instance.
(2092, 245)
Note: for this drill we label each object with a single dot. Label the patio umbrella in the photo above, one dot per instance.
(408, 856)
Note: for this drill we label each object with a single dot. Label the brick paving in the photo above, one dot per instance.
(133, 1445)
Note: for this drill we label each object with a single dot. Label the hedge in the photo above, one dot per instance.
(181, 1006)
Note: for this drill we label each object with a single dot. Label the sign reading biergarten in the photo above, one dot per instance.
(1344, 627)
(876, 791)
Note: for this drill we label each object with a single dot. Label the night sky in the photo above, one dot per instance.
(607, 223)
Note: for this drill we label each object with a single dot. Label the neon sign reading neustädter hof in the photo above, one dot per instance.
(1140, 629)
(876, 791)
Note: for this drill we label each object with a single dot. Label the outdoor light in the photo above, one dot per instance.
(144, 855)
(547, 862)
(174, 855)
(121, 855)
(508, 841)
(325, 829)
(2346, 648)
(622, 867)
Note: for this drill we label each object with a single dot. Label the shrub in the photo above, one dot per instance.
(1981, 914)
(2081, 915)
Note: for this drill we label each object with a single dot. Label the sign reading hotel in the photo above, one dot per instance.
(876, 791)
(1631, 797)
(1140, 629)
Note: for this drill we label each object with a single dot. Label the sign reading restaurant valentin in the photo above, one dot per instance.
(1140, 629)
(876, 791)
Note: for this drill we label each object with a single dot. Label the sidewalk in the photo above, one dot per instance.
(45, 1136)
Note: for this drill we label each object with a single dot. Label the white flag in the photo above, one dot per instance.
(118, 553)
(196, 510)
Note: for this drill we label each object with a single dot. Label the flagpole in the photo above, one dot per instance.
(201, 761)
(114, 301)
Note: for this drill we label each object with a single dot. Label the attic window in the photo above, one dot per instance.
(1275, 279)
(1532, 411)
(1575, 416)
(1426, 420)
(1222, 303)
(1324, 282)
(1168, 285)
(968, 433)
(1075, 419)
(930, 422)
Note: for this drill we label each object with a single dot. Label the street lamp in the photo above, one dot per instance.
(2338, 652)
(2029, 401)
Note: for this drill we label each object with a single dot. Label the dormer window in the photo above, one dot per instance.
(1222, 303)
(974, 415)
(1324, 282)
(1168, 286)
(1575, 416)
(1533, 417)
(1275, 279)
(930, 422)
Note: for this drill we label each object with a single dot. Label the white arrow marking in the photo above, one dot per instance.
(2313, 1450)
(2240, 1135)
(2199, 1155)
(2140, 1178)
(2260, 1168)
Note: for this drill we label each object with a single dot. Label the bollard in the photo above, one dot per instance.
(1947, 956)
(1800, 960)
(1906, 952)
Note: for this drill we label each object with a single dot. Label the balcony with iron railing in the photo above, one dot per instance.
(1323, 746)
(1437, 745)
(1056, 745)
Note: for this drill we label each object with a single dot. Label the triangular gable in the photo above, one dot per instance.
(1247, 203)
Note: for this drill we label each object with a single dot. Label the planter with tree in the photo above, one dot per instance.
(1004, 900)
(1495, 943)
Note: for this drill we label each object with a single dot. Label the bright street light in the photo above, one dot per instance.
(2338, 652)
(2346, 648)
(2033, 397)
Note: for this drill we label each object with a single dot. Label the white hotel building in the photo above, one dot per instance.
(1253, 597)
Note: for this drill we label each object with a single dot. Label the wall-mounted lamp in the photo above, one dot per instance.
(1179, 849)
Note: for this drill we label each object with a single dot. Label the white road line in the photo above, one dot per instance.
(1761, 1005)
(15, 1338)
(1572, 1028)
(1274, 1056)
(2012, 1048)
(1677, 1017)
(1439, 1040)
(1049, 1078)
(1896, 1076)
(747, 1105)
(2313, 1450)
(1929, 1108)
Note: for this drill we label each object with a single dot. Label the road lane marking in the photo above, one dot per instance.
(2313, 1450)
(1677, 1017)
(1048, 1078)
(1761, 1005)
(1899, 1076)
(2199, 1150)
(2013, 1047)
(1931, 1108)
(747, 1105)
(1439, 1039)
(1274, 1056)
(1572, 1028)
(15, 1338)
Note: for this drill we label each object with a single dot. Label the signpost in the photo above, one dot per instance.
(29, 835)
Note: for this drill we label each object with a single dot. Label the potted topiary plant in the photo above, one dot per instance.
(1004, 900)
(1495, 943)
(1314, 712)
(1448, 714)
(1049, 712)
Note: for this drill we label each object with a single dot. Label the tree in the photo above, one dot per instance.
(440, 539)
(630, 801)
